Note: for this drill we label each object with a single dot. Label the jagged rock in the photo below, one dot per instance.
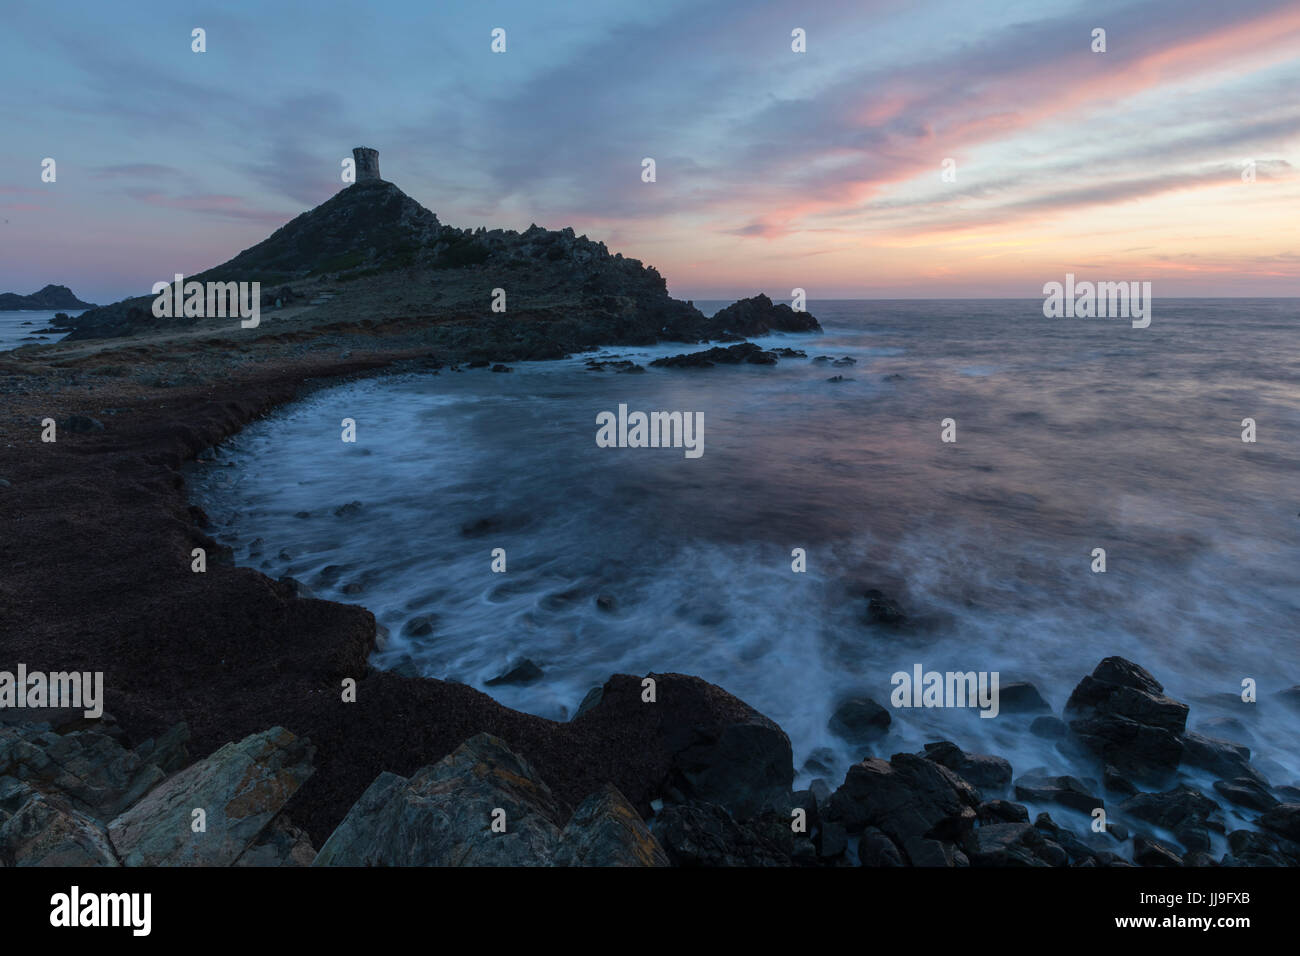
(1021, 697)
(280, 844)
(1048, 728)
(1008, 844)
(1183, 810)
(1065, 790)
(746, 352)
(1149, 852)
(1260, 848)
(47, 831)
(525, 672)
(884, 611)
(606, 831)
(1222, 757)
(758, 316)
(91, 770)
(860, 720)
(984, 771)
(703, 834)
(1283, 819)
(1120, 713)
(590, 700)
(907, 798)
(443, 815)
(241, 788)
(1001, 811)
(876, 849)
(1246, 792)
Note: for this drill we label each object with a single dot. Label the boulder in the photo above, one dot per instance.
(984, 771)
(1065, 790)
(1021, 697)
(860, 720)
(704, 834)
(1121, 715)
(48, 831)
(241, 788)
(606, 831)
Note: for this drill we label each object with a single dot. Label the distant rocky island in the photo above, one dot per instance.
(51, 297)
(373, 252)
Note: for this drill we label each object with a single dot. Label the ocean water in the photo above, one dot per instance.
(1072, 434)
(29, 328)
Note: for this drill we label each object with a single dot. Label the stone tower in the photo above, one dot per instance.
(367, 162)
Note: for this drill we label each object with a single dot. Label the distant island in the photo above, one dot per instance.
(51, 297)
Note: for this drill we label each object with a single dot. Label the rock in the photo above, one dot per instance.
(757, 315)
(883, 611)
(1183, 810)
(1260, 848)
(348, 510)
(241, 787)
(280, 844)
(1048, 728)
(845, 361)
(1021, 697)
(982, 770)
(1116, 782)
(1246, 792)
(606, 603)
(442, 815)
(501, 368)
(703, 834)
(47, 831)
(832, 841)
(1067, 791)
(420, 625)
(838, 378)
(589, 701)
(1121, 714)
(1001, 811)
(876, 849)
(606, 831)
(81, 424)
(1149, 852)
(525, 672)
(745, 352)
(1008, 844)
(1222, 757)
(742, 763)
(860, 720)
(1283, 819)
(906, 798)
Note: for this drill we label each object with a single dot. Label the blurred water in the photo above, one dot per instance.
(29, 328)
(1072, 434)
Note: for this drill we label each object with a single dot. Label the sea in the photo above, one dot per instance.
(29, 328)
(1069, 438)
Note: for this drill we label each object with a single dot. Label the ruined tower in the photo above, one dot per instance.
(367, 163)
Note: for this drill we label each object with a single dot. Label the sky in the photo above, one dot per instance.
(1171, 157)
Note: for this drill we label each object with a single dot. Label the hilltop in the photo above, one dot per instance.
(51, 297)
(373, 253)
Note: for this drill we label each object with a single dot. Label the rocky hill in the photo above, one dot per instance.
(51, 297)
(377, 242)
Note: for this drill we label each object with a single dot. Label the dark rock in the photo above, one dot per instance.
(984, 771)
(501, 368)
(1001, 811)
(832, 841)
(590, 700)
(606, 831)
(420, 625)
(1116, 782)
(81, 424)
(745, 352)
(883, 611)
(1008, 844)
(1183, 810)
(877, 849)
(860, 720)
(525, 672)
(1222, 757)
(703, 834)
(1067, 791)
(1021, 697)
(1048, 728)
(1149, 852)
(758, 316)
(1283, 819)
(1246, 792)
(1121, 715)
(907, 798)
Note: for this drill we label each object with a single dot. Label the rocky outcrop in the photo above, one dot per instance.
(50, 297)
(744, 353)
(483, 805)
(240, 788)
(757, 315)
(1120, 714)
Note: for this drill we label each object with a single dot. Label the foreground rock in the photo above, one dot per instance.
(485, 806)
(240, 788)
